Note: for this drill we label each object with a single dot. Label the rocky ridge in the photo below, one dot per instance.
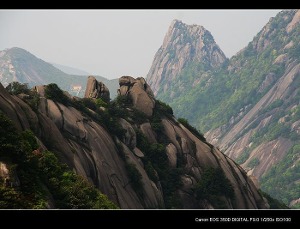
(112, 160)
(183, 44)
(249, 107)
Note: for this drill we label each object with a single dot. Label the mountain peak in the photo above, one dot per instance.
(250, 106)
(17, 64)
(178, 29)
(183, 44)
(17, 52)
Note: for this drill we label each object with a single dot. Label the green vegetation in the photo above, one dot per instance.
(16, 88)
(53, 92)
(212, 186)
(274, 203)
(108, 117)
(207, 97)
(135, 178)
(68, 189)
(163, 108)
(133, 173)
(156, 160)
(254, 162)
(191, 128)
(282, 180)
(32, 98)
(277, 103)
(101, 103)
(36, 176)
(273, 130)
(211, 98)
(89, 103)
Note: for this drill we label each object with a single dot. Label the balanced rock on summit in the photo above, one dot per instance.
(140, 93)
(96, 89)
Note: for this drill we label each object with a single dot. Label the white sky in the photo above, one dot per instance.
(112, 43)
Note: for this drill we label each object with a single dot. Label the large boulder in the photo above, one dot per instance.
(95, 89)
(140, 93)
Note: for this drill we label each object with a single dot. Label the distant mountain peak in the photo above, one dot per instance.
(178, 29)
(183, 44)
(17, 64)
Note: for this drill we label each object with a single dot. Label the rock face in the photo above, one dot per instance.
(249, 107)
(294, 22)
(103, 156)
(95, 90)
(182, 45)
(278, 96)
(139, 92)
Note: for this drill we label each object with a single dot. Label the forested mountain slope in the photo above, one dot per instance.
(249, 106)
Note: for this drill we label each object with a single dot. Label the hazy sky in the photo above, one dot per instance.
(112, 43)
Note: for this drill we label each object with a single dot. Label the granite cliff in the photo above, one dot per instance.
(183, 45)
(132, 149)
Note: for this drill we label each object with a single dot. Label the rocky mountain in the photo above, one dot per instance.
(183, 46)
(19, 65)
(249, 107)
(132, 149)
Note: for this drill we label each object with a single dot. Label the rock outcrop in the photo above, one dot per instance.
(140, 93)
(112, 161)
(95, 90)
(183, 44)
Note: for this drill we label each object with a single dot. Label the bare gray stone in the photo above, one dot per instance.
(95, 90)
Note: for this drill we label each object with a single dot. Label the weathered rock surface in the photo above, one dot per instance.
(233, 144)
(263, 134)
(294, 22)
(96, 154)
(276, 149)
(95, 90)
(182, 45)
(140, 93)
